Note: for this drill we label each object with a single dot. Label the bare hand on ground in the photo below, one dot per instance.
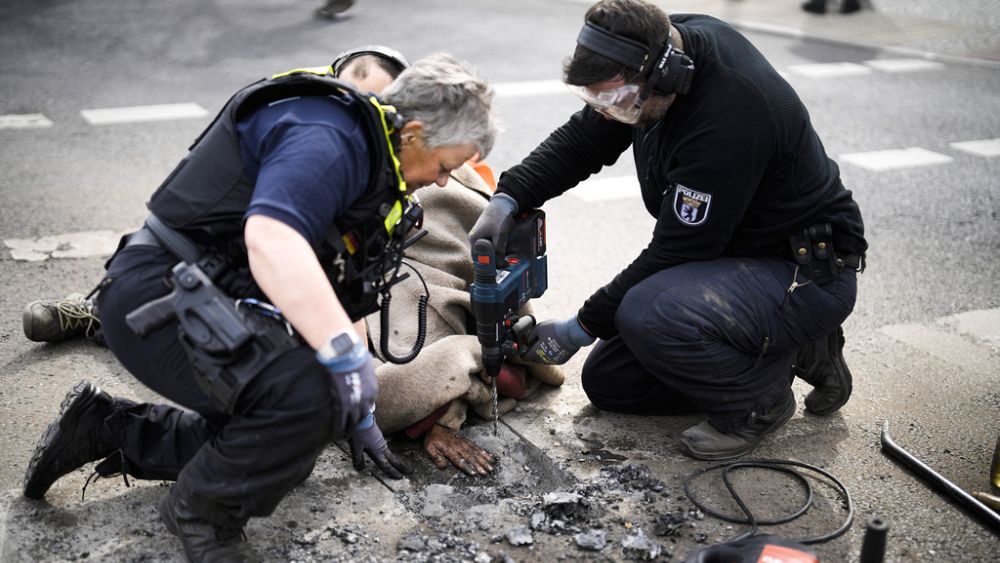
(443, 444)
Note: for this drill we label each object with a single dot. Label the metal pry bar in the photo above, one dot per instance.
(973, 507)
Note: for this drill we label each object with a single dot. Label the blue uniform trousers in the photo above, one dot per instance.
(717, 336)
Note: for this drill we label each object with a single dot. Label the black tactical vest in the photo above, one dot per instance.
(208, 192)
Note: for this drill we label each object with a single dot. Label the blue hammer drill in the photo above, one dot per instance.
(500, 290)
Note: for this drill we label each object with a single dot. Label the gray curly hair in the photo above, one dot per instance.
(453, 103)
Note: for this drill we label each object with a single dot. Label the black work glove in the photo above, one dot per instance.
(495, 223)
(352, 372)
(555, 342)
(367, 438)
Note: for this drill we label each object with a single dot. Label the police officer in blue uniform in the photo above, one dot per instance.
(290, 198)
(751, 269)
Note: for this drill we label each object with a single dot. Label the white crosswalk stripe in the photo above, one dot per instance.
(135, 114)
(879, 161)
(904, 65)
(607, 189)
(24, 121)
(970, 340)
(829, 70)
(984, 147)
(530, 88)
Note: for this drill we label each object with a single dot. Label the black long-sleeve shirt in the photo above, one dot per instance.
(733, 168)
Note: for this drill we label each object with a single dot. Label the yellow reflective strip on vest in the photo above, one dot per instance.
(393, 217)
(397, 209)
(320, 70)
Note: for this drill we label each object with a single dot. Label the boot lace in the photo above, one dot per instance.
(77, 313)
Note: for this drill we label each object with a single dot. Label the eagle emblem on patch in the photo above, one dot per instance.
(691, 206)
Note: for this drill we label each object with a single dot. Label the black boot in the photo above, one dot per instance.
(850, 6)
(333, 8)
(203, 541)
(822, 365)
(704, 441)
(72, 440)
(815, 6)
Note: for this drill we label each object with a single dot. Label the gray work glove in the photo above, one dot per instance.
(495, 223)
(367, 438)
(352, 372)
(555, 342)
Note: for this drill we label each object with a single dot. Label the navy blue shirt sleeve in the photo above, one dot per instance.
(309, 160)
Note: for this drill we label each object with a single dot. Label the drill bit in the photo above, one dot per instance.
(496, 411)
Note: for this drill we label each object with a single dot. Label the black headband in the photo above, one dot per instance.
(611, 46)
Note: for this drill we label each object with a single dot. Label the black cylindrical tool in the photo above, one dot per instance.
(873, 546)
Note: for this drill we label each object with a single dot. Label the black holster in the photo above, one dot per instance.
(228, 345)
(812, 250)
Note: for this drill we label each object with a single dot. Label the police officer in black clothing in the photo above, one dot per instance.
(752, 265)
(287, 203)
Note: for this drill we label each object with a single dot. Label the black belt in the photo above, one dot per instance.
(155, 233)
(855, 262)
(142, 237)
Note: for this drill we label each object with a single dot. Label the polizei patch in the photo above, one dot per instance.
(691, 206)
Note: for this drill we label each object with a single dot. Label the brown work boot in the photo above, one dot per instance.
(203, 541)
(72, 440)
(822, 365)
(56, 321)
(704, 441)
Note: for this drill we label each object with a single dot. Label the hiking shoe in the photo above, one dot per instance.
(203, 541)
(71, 441)
(334, 7)
(56, 321)
(703, 441)
(822, 365)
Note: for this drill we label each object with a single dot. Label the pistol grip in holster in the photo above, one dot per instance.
(227, 347)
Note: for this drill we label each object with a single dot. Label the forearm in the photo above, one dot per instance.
(287, 270)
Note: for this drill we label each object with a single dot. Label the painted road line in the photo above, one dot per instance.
(985, 147)
(82, 244)
(530, 88)
(945, 346)
(983, 325)
(904, 65)
(133, 114)
(24, 121)
(607, 189)
(896, 158)
(829, 70)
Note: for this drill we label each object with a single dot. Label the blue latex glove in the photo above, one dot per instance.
(354, 385)
(495, 223)
(555, 342)
(367, 438)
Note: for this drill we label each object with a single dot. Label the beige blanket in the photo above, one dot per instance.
(447, 367)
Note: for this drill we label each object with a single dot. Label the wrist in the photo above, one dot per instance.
(506, 202)
(575, 334)
(366, 422)
(342, 350)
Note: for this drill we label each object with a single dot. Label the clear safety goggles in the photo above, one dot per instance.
(618, 103)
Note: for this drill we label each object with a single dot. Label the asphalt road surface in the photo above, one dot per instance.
(917, 142)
